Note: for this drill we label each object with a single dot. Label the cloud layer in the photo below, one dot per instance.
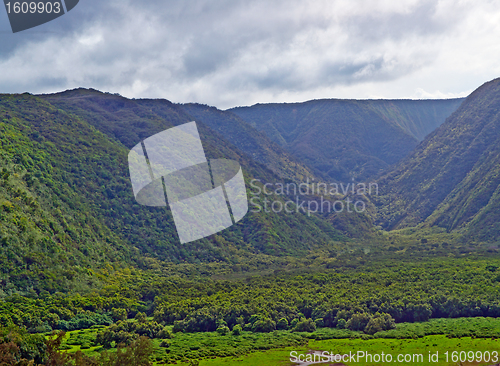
(232, 52)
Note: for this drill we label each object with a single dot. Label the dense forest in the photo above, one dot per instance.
(367, 299)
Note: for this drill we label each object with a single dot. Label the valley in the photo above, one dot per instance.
(417, 268)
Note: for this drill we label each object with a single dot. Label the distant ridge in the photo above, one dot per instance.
(252, 142)
(345, 139)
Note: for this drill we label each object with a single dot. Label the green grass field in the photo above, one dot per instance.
(394, 347)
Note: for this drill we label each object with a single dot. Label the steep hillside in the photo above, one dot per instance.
(57, 177)
(344, 139)
(452, 178)
(129, 121)
(416, 117)
(66, 203)
(252, 142)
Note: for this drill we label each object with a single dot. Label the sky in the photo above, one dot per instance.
(228, 53)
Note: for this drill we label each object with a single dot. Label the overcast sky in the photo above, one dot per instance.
(229, 52)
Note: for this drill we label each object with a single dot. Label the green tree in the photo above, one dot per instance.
(380, 322)
(341, 324)
(305, 325)
(264, 325)
(282, 324)
(119, 314)
(140, 317)
(358, 321)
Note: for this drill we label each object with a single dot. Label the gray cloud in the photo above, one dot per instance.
(231, 52)
(421, 19)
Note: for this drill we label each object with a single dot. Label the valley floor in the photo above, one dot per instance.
(412, 349)
(464, 341)
(399, 294)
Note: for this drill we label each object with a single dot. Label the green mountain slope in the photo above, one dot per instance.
(344, 139)
(271, 233)
(252, 142)
(66, 202)
(56, 176)
(452, 178)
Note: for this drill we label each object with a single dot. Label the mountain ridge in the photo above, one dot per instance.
(344, 139)
(251, 141)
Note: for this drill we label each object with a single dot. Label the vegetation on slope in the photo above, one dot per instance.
(250, 141)
(344, 139)
(80, 255)
(66, 203)
(451, 180)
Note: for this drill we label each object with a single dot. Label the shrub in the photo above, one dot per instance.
(237, 330)
(165, 333)
(138, 353)
(223, 330)
(165, 344)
